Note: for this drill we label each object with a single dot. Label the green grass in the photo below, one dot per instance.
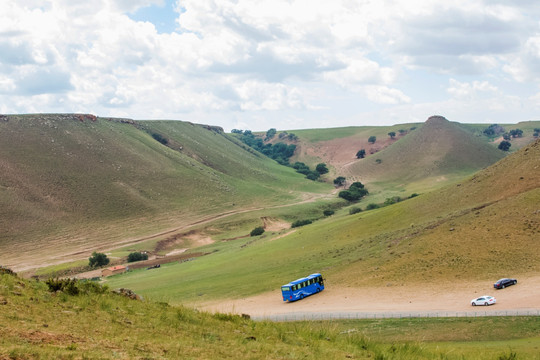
(67, 184)
(410, 241)
(38, 324)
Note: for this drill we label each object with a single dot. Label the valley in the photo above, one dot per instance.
(447, 214)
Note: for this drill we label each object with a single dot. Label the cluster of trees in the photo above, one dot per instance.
(355, 192)
(515, 133)
(302, 168)
(137, 256)
(493, 130)
(280, 152)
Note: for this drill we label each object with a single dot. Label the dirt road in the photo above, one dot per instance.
(399, 300)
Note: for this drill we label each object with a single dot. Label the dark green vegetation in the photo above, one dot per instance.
(52, 321)
(137, 256)
(98, 260)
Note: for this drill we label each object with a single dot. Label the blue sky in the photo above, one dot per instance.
(273, 63)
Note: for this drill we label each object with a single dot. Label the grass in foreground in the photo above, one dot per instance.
(38, 324)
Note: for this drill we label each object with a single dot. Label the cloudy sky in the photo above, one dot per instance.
(285, 64)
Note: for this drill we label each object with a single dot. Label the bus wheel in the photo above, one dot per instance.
(301, 296)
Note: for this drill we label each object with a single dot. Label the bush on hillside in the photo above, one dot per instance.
(5, 270)
(505, 145)
(328, 212)
(354, 210)
(299, 223)
(361, 154)
(339, 181)
(160, 138)
(372, 139)
(372, 206)
(257, 231)
(313, 175)
(355, 192)
(98, 259)
(137, 256)
(321, 168)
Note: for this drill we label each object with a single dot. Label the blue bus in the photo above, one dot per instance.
(299, 289)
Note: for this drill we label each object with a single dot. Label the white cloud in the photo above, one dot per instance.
(470, 91)
(304, 62)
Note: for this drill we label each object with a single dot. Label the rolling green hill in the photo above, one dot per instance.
(70, 183)
(420, 157)
(452, 233)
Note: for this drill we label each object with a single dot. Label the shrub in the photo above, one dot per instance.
(392, 200)
(339, 181)
(328, 212)
(361, 154)
(137, 256)
(68, 286)
(160, 138)
(98, 259)
(321, 168)
(372, 206)
(504, 145)
(354, 210)
(313, 175)
(299, 223)
(257, 231)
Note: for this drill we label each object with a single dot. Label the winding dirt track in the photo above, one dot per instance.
(393, 301)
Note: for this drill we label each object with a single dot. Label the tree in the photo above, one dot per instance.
(270, 134)
(506, 136)
(372, 139)
(339, 181)
(536, 132)
(361, 154)
(236, 131)
(392, 134)
(355, 192)
(505, 145)
(257, 231)
(137, 256)
(493, 130)
(516, 133)
(98, 259)
(321, 168)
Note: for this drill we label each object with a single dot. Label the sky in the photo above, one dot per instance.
(284, 64)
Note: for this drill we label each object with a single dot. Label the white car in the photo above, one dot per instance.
(483, 300)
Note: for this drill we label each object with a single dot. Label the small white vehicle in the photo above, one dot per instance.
(483, 300)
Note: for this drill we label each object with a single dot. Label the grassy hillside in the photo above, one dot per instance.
(98, 324)
(72, 183)
(420, 157)
(452, 233)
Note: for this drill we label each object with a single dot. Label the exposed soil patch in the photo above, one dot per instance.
(388, 298)
(273, 224)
